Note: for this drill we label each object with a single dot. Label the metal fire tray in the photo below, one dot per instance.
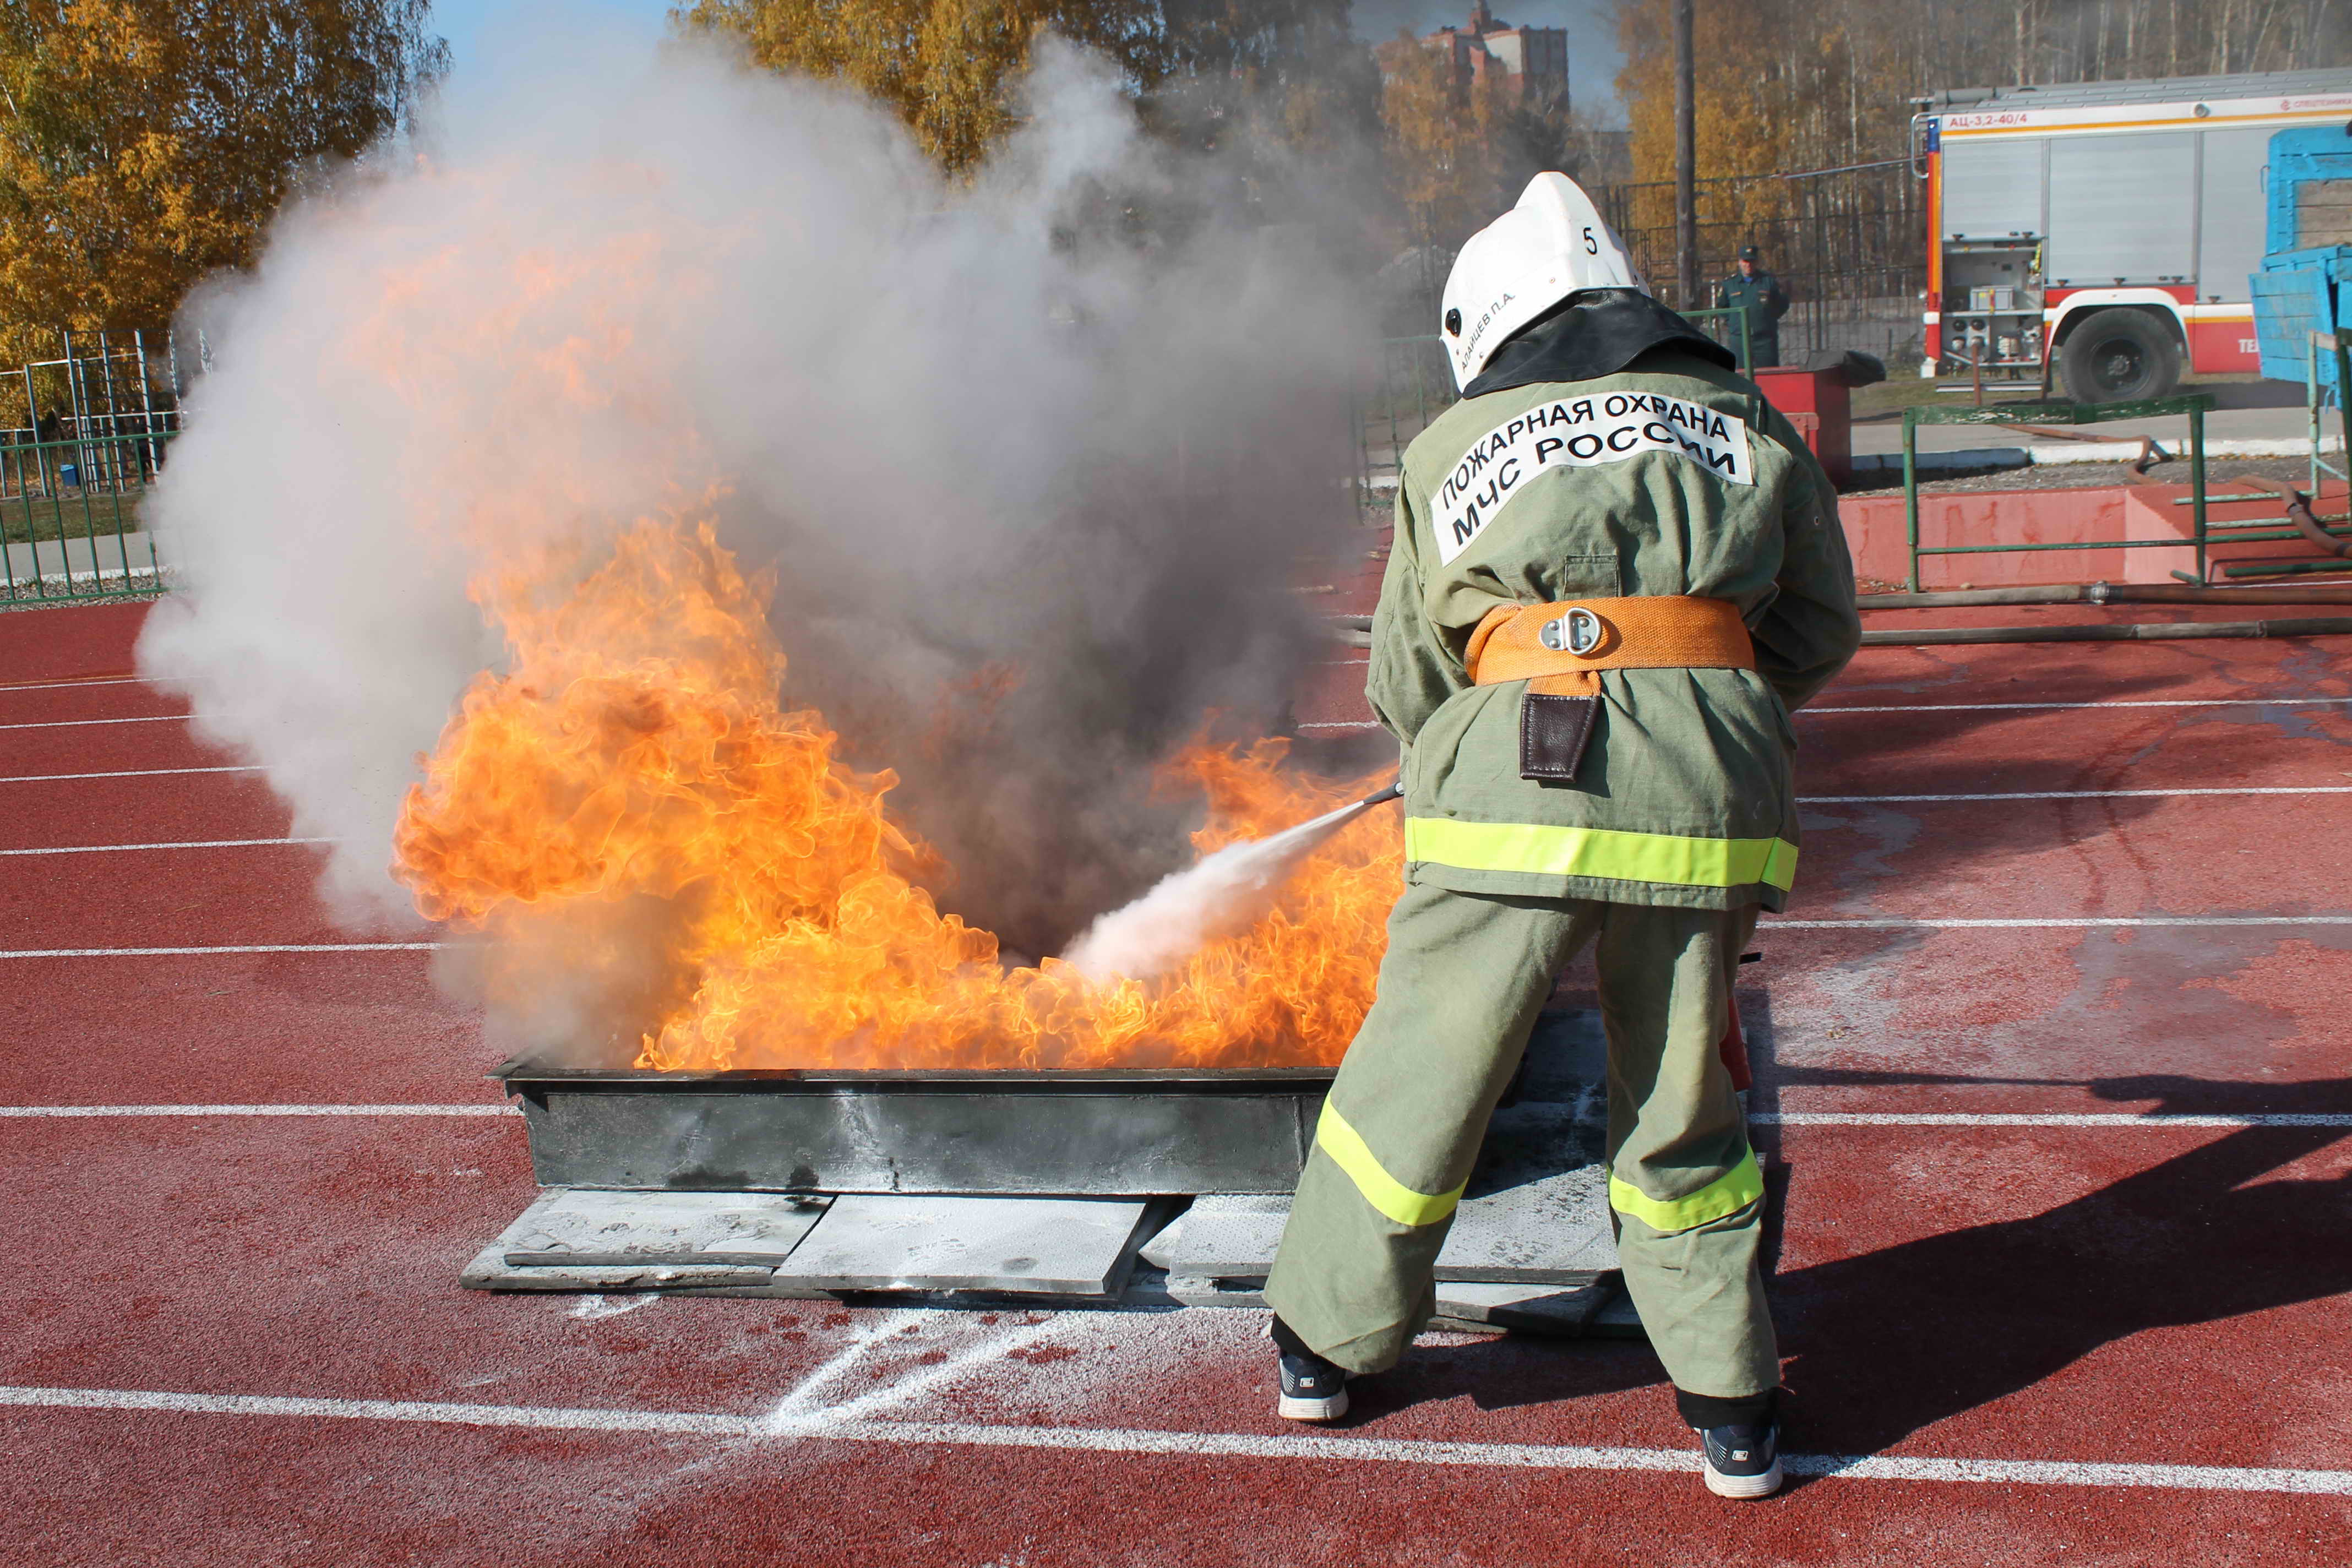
(1123, 1133)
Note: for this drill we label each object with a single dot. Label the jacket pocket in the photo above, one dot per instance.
(1600, 575)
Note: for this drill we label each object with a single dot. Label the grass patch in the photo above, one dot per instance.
(70, 514)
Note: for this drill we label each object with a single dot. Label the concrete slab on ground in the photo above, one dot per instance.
(576, 1227)
(870, 1241)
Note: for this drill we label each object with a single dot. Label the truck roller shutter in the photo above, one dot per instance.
(2229, 219)
(1992, 189)
(2121, 207)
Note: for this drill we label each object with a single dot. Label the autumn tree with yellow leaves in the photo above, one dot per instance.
(145, 144)
(948, 67)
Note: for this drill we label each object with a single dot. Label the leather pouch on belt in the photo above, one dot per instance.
(1555, 726)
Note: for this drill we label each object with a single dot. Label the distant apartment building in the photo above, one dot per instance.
(1529, 63)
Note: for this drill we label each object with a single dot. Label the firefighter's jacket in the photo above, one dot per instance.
(1611, 452)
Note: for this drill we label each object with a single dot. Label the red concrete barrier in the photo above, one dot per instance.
(1874, 532)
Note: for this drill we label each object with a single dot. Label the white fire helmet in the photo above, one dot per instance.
(1554, 243)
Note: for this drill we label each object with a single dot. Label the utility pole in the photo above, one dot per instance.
(1686, 162)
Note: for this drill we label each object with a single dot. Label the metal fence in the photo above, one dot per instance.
(1849, 245)
(69, 512)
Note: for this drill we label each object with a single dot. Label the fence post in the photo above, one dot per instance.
(2197, 480)
(2342, 396)
(1911, 493)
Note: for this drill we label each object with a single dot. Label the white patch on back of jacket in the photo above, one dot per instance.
(1581, 433)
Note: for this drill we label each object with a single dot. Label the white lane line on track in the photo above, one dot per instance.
(128, 774)
(81, 1110)
(205, 951)
(2134, 702)
(2075, 794)
(2066, 922)
(77, 723)
(1305, 1446)
(185, 844)
(70, 685)
(2039, 1118)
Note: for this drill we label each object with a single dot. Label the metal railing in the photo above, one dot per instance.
(2196, 406)
(2203, 533)
(2315, 396)
(69, 513)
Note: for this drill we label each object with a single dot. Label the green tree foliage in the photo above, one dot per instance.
(146, 142)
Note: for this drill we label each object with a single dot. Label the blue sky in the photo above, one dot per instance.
(472, 25)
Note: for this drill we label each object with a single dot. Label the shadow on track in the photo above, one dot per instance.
(1888, 1342)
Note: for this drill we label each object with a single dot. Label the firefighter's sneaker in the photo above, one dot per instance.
(1742, 1461)
(1313, 1389)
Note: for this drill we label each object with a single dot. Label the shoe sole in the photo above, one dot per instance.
(1744, 1486)
(1332, 1409)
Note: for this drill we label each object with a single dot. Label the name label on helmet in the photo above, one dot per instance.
(1581, 433)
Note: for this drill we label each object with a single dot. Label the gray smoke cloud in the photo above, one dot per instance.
(1035, 459)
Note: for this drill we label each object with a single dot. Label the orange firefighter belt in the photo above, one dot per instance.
(1559, 649)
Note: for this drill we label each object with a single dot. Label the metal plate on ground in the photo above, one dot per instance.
(1561, 1310)
(1080, 1246)
(489, 1270)
(1553, 1231)
(1223, 1234)
(622, 1229)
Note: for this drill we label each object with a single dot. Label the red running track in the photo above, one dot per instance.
(2028, 1319)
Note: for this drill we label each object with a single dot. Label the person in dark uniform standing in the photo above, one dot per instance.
(1760, 294)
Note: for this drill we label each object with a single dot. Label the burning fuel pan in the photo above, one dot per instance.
(1110, 1134)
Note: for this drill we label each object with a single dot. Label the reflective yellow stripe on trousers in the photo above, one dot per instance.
(1600, 852)
(1726, 1194)
(1383, 1192)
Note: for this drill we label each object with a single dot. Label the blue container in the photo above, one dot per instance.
(68, 473)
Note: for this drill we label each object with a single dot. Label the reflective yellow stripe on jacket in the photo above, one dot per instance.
(1600, 852)
(1726, 1194)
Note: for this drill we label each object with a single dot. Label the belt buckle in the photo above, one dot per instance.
(1578, 632)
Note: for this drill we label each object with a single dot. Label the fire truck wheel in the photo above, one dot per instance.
(2119, 356)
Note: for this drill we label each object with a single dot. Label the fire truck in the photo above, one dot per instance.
(2101, 235)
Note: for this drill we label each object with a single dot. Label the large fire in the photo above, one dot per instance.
(637, 752)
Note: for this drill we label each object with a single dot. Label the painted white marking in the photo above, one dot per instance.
(997, 1347)
(1313, 1447)
(2073, 795)
(2064, 923)
(65, 685)
(804, 1394)
(77, 723)
(1325, 724)
(2038, 1118)
(126, 773)
(79, 1111)
(185, 844)
(2022, 706)
(207, 952)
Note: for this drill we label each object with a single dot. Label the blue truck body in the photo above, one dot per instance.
(2306, 283)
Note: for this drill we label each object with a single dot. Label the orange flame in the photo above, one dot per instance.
(638, 751)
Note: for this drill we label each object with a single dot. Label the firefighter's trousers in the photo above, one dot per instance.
(1459, 991)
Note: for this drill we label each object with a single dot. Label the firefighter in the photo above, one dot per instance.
(1616, 572)
(1759, 293)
